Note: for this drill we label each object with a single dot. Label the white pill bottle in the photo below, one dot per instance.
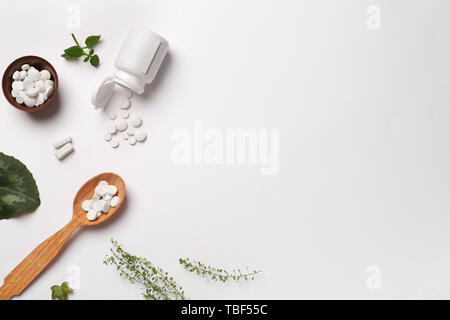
(137, 64)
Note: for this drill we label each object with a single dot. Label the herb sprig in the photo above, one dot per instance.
(78, 51)
(60, 292)
(157, 283)
(217, 274)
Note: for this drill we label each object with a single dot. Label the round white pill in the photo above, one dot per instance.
(130, 131)
(23, 74)
(114, 143)
(27, 84)
(124, 114)
(14, 93)
(125, 136)
(121, 124)
(40, 86)
(99, 205)
(140, 135)
(86, 205)
(92, 215)
(48, 92)
(125, 103)
(19, 99)
(34, 74)
(107, 136)
(111, 128)
(45, 75)
(99, 214)
(95, 197)
(49, 83)
(112, 115)
(16, 75)
(115, 201)
(112, 190)
(107, 197)
(29, 102)
(100, 190)
(103, 183)
(106, 207)
(32, 92)
(135, 120)
(17, 85)
(132, 140)
(25, 67)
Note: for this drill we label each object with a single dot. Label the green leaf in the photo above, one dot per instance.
(86, 59)
(95, 60)
(18, 189)
(74, 51)
(60, 292)
(91, 41)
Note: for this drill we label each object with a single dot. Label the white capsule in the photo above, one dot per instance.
(62, 141)
(111, 189)
(34, 74)
(48, 92)
(14, 93)
(132, 140)
(135, 120)
(125, 103)
(45, 75)
(16, 75)
(140, 135)
(40, 99)
(100, 190)
(114, 143)
(103, 183)
(23, 75)
(17, 85)
(86, 205)
(25, 67)
(111, 128)
(125, 136)
(99, 214)
(64, 151)
(29, 102)
(92, 215)
(107, 136)
(49, 83)
(112, 115)
(130, 131)
(115, 201)
(121, 124)
(27, 84)
(32, 92)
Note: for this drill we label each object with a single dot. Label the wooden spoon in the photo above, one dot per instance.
(30, 267)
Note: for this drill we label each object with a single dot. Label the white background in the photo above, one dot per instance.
(363, 117)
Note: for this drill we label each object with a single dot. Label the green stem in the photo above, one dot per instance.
(75, 39)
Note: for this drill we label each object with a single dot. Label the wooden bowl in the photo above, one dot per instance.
(40, 64)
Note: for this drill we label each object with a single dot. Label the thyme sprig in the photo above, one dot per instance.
(157, 283)
(217, 274)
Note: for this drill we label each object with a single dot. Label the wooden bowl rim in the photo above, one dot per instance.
(7, 91)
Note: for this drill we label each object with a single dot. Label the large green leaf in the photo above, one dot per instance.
(18, 189)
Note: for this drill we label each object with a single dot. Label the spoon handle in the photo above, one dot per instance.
(30, 267)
